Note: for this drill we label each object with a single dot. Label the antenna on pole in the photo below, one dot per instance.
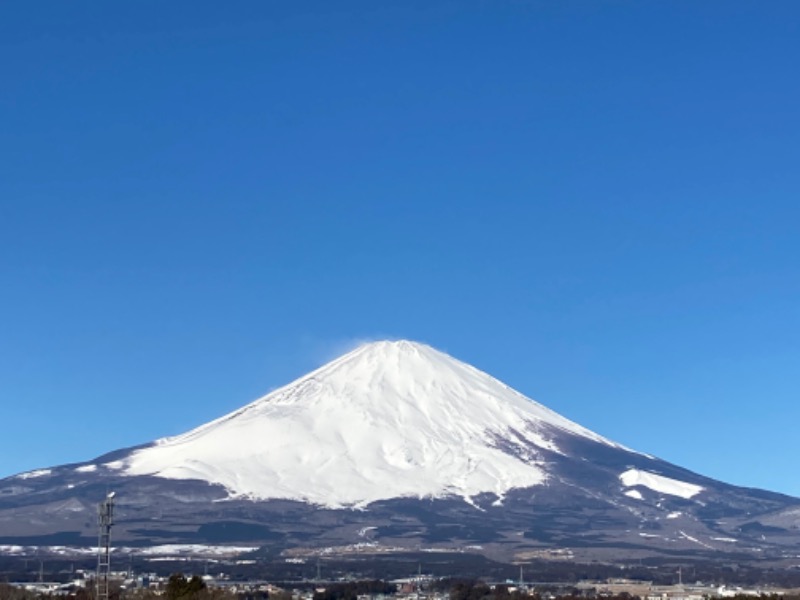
(105, 519)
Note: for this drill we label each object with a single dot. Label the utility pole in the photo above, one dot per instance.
(105, 519)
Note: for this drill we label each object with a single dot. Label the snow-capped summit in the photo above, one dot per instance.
(389, 419)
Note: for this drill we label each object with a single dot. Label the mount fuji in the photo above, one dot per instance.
(396, 445)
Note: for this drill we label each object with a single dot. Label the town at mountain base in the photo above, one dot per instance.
(394, 447)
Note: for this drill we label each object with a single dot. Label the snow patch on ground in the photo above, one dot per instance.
(86, 469)
(635, 494)
(190, 549)
(674, 515)
(34, 474)
(659, 483)
(9, 550)
(695, 540)
(163, 550)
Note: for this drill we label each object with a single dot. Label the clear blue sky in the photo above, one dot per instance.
(596, 202)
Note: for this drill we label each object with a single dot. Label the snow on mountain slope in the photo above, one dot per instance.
(659, 483)
(390, 419)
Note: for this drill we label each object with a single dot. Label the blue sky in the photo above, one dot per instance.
(596, 202)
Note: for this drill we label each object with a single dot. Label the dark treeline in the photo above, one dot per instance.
(9, 592)
(354, 589)
(477, 590)
(180, 588)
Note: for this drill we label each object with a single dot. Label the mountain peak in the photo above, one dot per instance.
(389, 419)
(384, 351)
(389, 350)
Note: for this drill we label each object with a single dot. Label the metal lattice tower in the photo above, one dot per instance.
(105, 519)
